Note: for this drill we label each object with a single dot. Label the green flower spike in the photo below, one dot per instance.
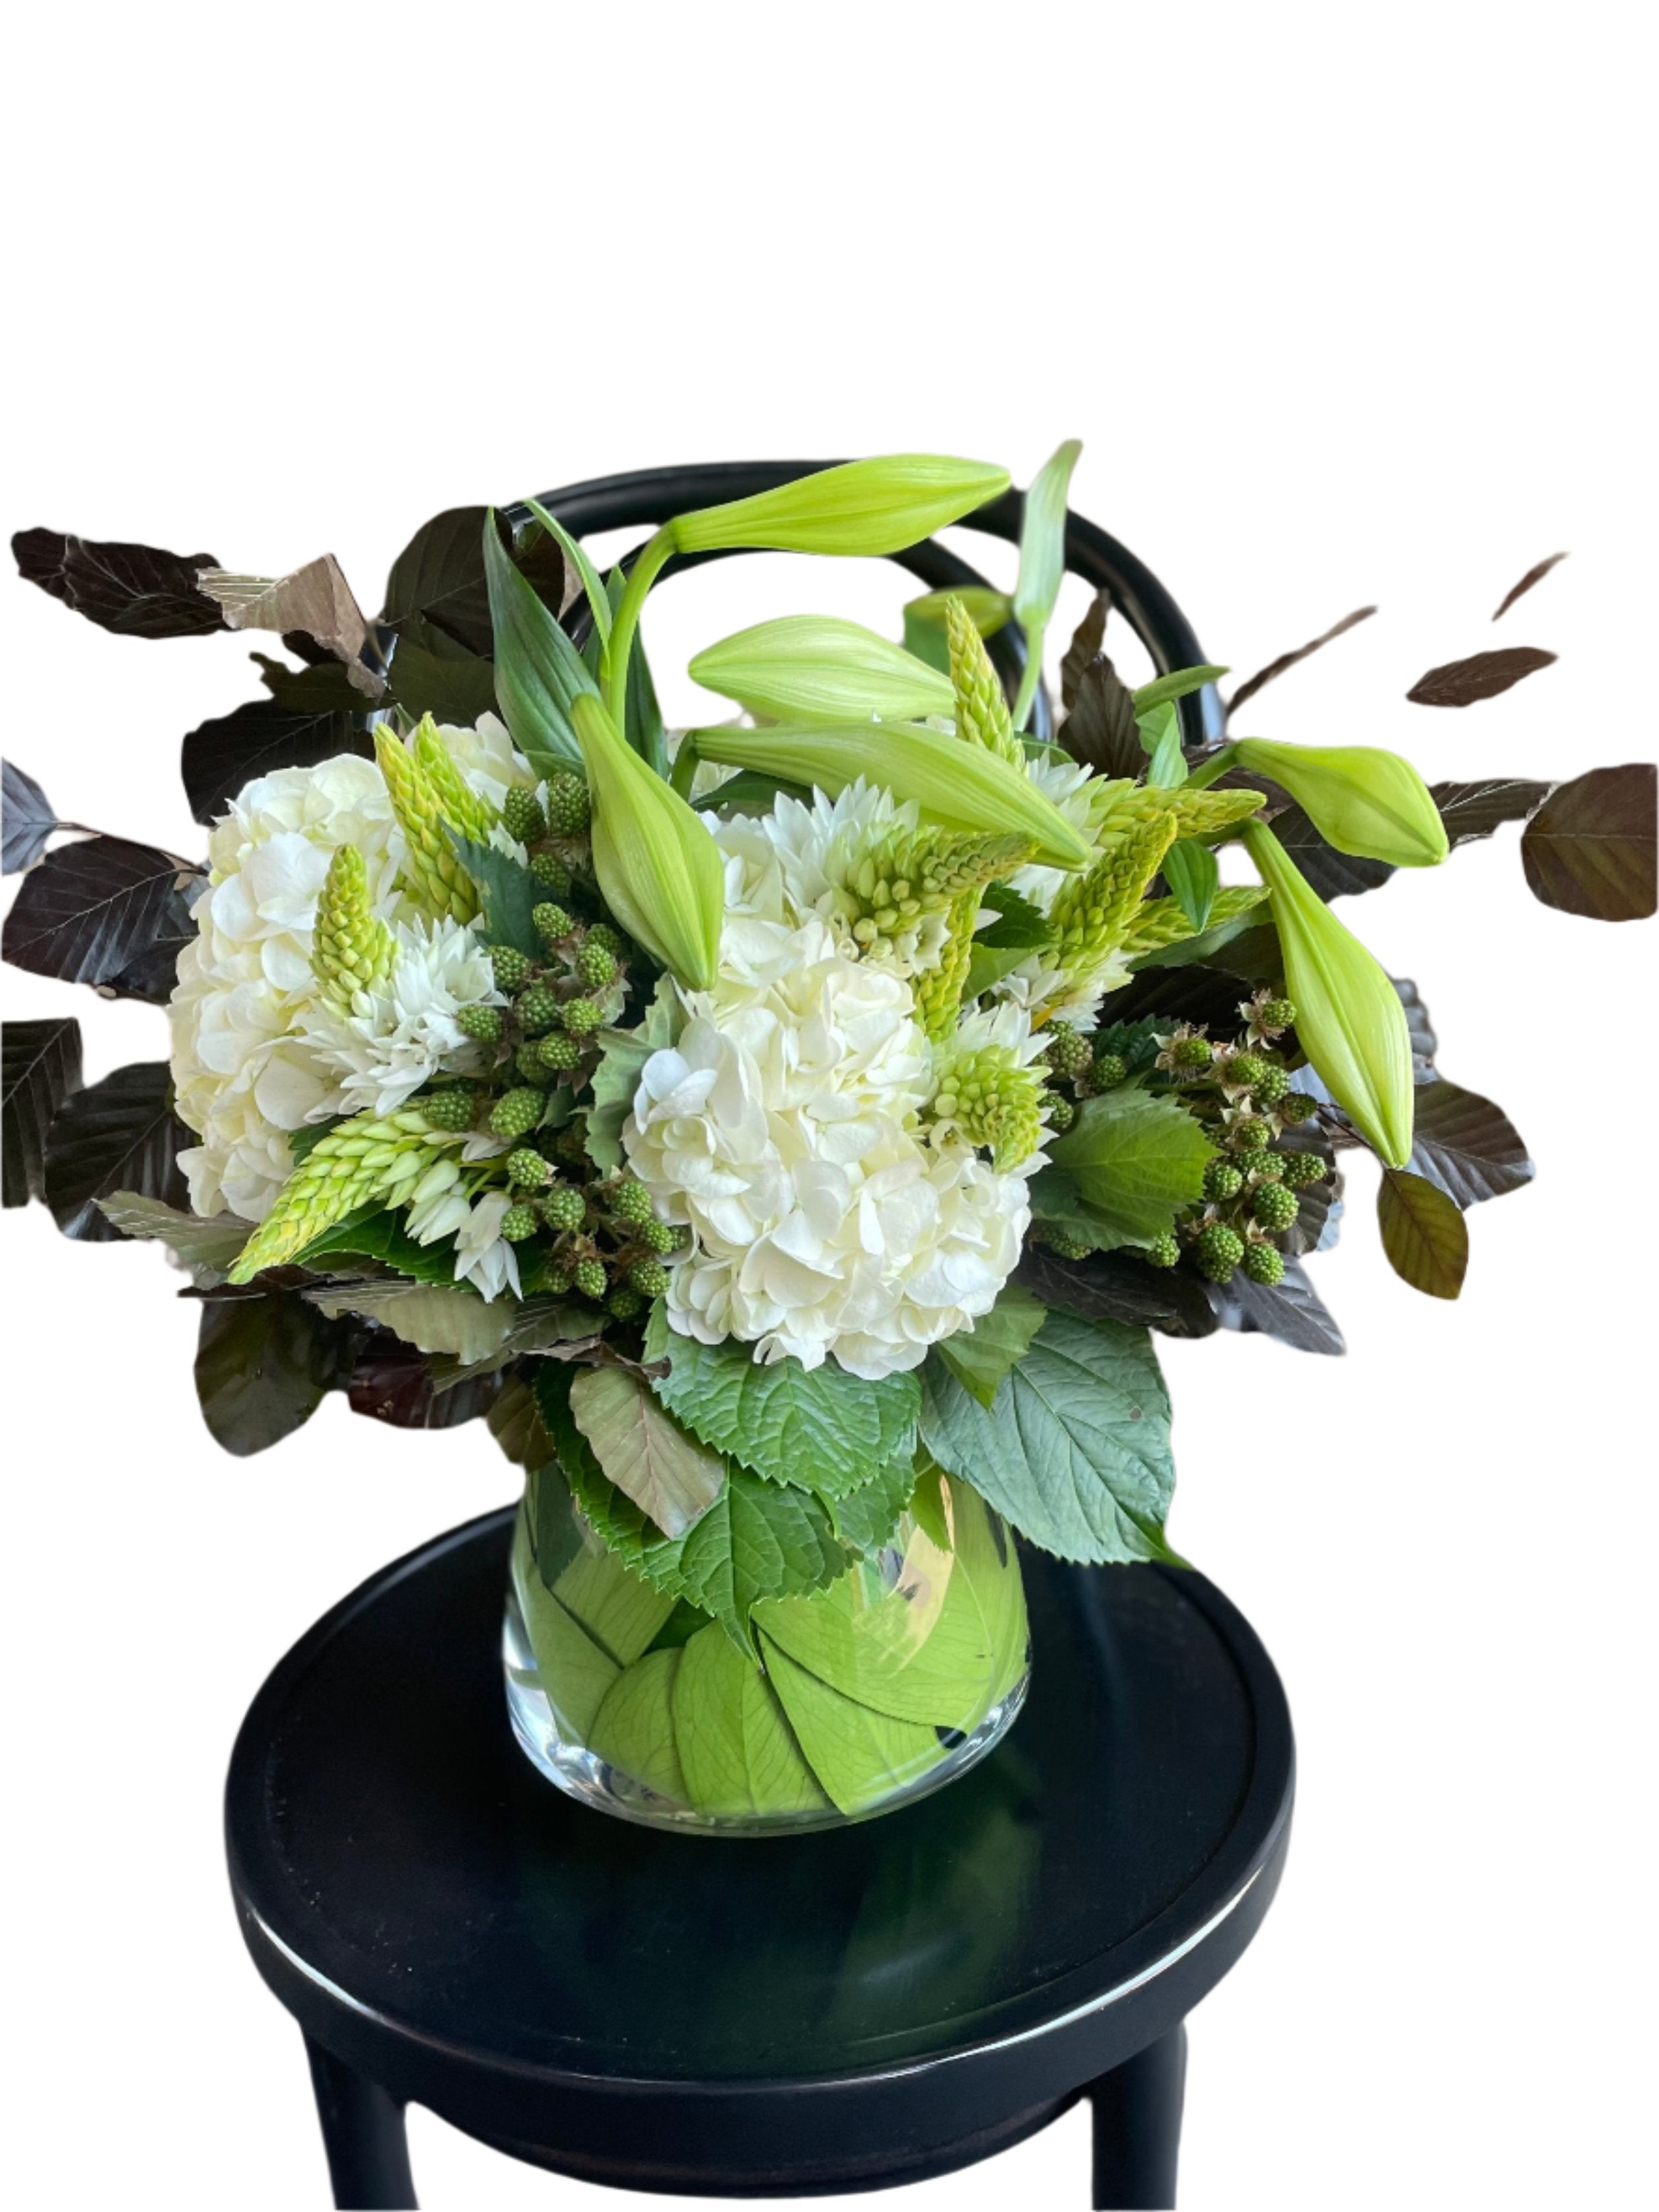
(981, 712)
(1349, 1019)
(370, 1158)
(351, 949)
(434, 876)
(910, 876)
(1360, 799)
(1091, 914)
(460, 805)
(993, 1101)
(658, 868)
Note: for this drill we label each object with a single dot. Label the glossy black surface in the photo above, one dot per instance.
(391, 1832)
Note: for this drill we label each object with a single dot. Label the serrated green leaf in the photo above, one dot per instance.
(1018, 922)
(376, 1232)
(822, 1429)
(510, 892)
(982, 1354)
(736, 1753)
(1135, 1160)
(866, 1518)
(1075, 1451)
(643, 1450)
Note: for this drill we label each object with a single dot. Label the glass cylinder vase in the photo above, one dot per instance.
(851, 1701)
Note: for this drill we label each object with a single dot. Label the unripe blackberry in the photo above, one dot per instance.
(1270, 1085)
(510, 966)
(527, 1169)
(538, 1009)
(1110, 1070)
(1163, 1251)
(1302, 1170)
(552, 922)
(589, 1277)
(556, 1281)
(517, 1112)
(1066, 1242)
(564, 1208)
(1062, 1114)
(1263, 1265)
(1249, 1137)
(482, 1024)
(550, 873)
(558, 1053)
(630, 1201)
(1244, 1070)
(1191, 1052)
(1276, 1014)
(567, 805)
(447, 1109)
(658, 1236)
(1066, 1053)
(522, 817)
(1295, 1106)
(623, 1304)
(613, 939)
(1266, 1167)
(1219, 1251)
(1222, 1180)
(595, 966)
(1275, 1207)
(648, 1277)
(529, 1067)
(518, 1223)
(581, 1016)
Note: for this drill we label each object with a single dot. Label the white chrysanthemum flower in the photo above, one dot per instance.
(784, 1130)
(796, 862)
(483, 1255)
(1083, 798)
(246, 1069)
(402, 1033)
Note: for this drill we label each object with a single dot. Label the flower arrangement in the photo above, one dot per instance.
(788, 1134)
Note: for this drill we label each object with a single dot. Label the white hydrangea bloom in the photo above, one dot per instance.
(253, 1056)
(795, 862)
(783, 1129)
(400, 1035)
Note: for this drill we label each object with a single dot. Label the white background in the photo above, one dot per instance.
(1345, 304)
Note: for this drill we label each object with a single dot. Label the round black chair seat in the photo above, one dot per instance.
(773, 2016)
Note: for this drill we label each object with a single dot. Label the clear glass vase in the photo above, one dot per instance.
(858, 1698)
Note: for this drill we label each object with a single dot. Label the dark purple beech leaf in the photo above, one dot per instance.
(263, 1367)
(1476, 809)
(90, 910)
(122, 1135)
(391, 1381)
(135, 590)
(1252, 685)
(435, 596)
(1332, 874)
(1101, 730)
(451, 691)
(322, 687)
(1086, 642)
(42, 1063)
(1482, 675)
(1425, 1042)
(1208, 996)
(1291, 1310)
(1114, 1286)
(1465, 1145)
(26, 820)
(1424, 1234)
(220, 757)
(1534, 575)
(1320, 1208)
(1591, 847)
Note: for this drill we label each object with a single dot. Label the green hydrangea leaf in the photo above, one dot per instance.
(866, 1517)
(1075, 1450)
(859, 1755)
(510, 892)
(979, 1357)
(736, 1753)
(633, 1728)
(1134, 1159)
(824, 1430)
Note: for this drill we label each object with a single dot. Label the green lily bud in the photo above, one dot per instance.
(1348, 1015)
(961, 787)
(861, 507)
(1041, 563)
(986, 610)
(658, 867)
(816, 668)
(1359, 798)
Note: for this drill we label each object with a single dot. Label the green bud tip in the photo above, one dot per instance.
(1362, 800)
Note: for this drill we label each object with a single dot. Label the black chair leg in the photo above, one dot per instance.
(364, 2136)
(1138, 2128)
